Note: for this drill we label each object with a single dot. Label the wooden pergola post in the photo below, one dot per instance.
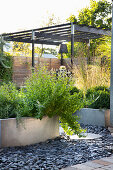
(72, 43)
(111, 85)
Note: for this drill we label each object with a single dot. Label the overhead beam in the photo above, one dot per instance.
(88, 36)
(92, 30)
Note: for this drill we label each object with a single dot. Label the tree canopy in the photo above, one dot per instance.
(98, 15)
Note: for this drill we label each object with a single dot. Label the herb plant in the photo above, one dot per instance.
(44, 95)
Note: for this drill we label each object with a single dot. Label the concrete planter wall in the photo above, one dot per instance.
(31, 131)
(97, 117)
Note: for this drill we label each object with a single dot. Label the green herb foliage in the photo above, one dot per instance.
(44, 95)
(9, 101)
(49, 96)
(74, 90)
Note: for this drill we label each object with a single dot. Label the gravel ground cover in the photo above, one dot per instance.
(58, 153)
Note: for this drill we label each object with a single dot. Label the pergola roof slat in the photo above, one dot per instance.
(28, 40)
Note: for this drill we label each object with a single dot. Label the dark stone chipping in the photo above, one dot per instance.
(58, 153)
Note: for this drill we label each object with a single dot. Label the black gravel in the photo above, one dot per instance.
(58, 153)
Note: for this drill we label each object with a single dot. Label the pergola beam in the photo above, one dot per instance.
(88, 36)
(86, 29)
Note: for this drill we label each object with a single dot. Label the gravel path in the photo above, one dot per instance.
(58, 153)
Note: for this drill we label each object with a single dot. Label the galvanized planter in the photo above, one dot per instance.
(29, 131)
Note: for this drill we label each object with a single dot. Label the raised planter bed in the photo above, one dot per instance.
(97, 117)
(30, 131)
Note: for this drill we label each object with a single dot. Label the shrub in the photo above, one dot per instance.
(101, 96)
(45, 95)
(74, 90)
(8, 100)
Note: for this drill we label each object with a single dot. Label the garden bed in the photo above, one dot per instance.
(29, 131)
(58, 153)
(99, 117)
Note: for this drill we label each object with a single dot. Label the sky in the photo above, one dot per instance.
(17, 15)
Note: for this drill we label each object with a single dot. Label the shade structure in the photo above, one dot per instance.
(55, 35)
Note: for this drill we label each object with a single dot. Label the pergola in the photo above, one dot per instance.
(58, 34)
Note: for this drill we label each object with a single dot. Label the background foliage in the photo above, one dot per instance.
(101, 94)
(9, 101)
(6, 73)
(98, 14)
(6, 63)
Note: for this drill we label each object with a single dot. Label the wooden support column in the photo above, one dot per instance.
(72, 43)
(111, 85)
(33, 61)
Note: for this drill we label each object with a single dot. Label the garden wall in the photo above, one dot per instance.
(29, 131)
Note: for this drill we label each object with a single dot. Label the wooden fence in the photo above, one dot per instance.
(22, 66)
